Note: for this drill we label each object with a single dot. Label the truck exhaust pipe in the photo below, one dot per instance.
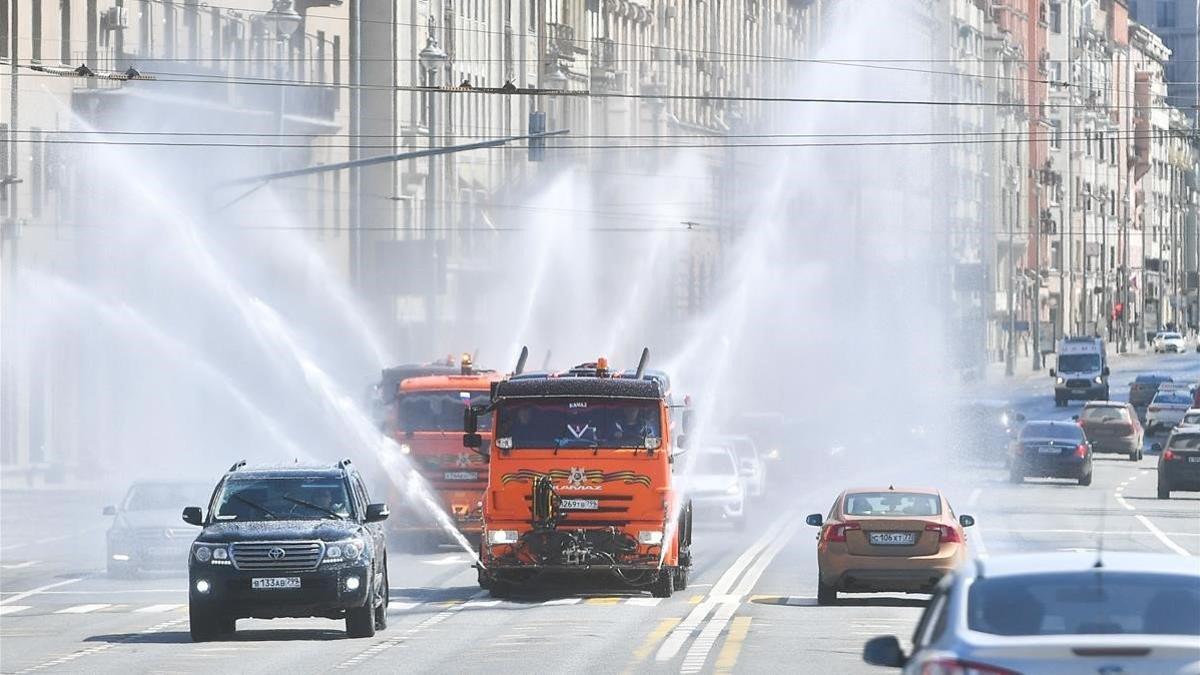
(521, 361)
(641, 369)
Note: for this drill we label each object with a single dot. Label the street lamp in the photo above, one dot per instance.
(282, 21)
(432, 59)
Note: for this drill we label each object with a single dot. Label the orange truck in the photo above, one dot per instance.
(426, 422)
(581, 480)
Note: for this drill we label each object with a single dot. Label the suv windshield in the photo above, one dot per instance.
(439, 410)
(892, 504)
(1085, 603)
(1061, 432)
(284, 498)
(579, 423)
(1078, 363)
(164, 496)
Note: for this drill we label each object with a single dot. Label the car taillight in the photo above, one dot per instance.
(838, 532)
(1081, 451)
(946, 533)
(1169, 456)
(957, 667)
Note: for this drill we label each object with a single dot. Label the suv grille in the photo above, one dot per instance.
(298, 556)
(1079, 383)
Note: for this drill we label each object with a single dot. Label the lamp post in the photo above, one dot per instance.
(1010, 349)
(1103, 270)
(282, 21)
(432, 58)
(1125, 263)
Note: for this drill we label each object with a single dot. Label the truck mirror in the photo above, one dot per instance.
(473, 441)
(1052, 373)
(470, 420)
(681, 441)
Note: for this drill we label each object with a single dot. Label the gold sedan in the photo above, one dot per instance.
(880, 540)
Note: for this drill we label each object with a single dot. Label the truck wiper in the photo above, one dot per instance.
(310, 505)
(258, 506)
(560, 443)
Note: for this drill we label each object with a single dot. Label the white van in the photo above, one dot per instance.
(1082, 371)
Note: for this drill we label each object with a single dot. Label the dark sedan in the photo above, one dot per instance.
(1048, 449)
(1179, 464)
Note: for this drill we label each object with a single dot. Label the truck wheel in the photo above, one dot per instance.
(826, 595)
(665, 586)
(1164, 492)
(681, 578)
(360, 621)
(205, 625)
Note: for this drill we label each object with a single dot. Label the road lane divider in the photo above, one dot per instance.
(1166, 541)
(13, 609)
(384, 645)
(103, 647)
(83, 609)
(660, 631)
(40, 589)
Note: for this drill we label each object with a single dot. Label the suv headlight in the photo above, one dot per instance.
(502, 537)
(1060, 380)
(347, 549)
(1099, 380)
(208, 553)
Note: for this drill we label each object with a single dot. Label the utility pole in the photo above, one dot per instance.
(1087, 295)
(1066, 272)
(1010, 351)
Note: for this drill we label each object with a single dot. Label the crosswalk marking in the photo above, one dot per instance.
(154, 609)
(402, 606)
(83, 609)
(644, 602)
(562, 601)
(482, 603)
(12, 609)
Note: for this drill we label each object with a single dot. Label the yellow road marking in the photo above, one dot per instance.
(696, 599)
(603, 601)
(665, 626)
(728, 657)
(450, 603)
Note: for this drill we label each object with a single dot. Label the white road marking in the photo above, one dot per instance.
(83, 609)
(448, 560)
(481, 603)
(402, 606)
(154, 609)
(380, 647)
(13, 609)
(1162, 536)
(562, 601)
(1089, 532)
(644, 602)
(980, 545)
(1122, 502)
(102, 647)
(18, 566)
(40, 589)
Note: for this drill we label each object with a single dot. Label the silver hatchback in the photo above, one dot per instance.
(1057, 613)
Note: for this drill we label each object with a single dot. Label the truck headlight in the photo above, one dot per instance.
(502, 537)
(1060, 380)
(348, 549)
(405, 449)
(650, 537)
(1099, 380)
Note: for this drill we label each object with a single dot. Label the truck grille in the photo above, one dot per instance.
(297, 556)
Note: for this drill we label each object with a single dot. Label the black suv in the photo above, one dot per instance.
(292, 541)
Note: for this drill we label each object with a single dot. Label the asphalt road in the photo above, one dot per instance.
(751, 606)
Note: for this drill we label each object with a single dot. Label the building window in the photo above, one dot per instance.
(1166, 14)
(3, 30)
(1056, 134)
(65, 33)
(35, 17)
(1056, 17)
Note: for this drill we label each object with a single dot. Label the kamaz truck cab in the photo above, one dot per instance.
(427, 425)
(581, 480)
(1082, 371)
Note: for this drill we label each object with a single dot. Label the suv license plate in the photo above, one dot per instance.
(893, 538)
(275, 582)
(579, 504)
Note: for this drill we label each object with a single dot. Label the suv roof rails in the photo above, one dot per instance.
(345, 463)
(237, 465)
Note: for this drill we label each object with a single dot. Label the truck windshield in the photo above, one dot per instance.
(298, 498)
(1078, 363)
(579, 423)
(439, 410)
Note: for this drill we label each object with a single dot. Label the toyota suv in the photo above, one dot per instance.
(293, 541)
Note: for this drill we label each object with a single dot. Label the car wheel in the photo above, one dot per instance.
(1135, 455)
(1086, 479)
(360, 621)
(1164, 492)
(826, 595)
(499, 589)
(665, 585)
(204, 625)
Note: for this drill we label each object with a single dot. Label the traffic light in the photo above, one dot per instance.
(1118, 310)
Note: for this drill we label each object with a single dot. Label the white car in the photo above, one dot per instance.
(1169, 341)
(750, 465)
(1057, 613)
(1167, 409)
(714, 487)
(1191, 418)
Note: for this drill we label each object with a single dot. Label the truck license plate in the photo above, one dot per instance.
(579, 504)
(893, 538)
(460, 475)
(275, 582)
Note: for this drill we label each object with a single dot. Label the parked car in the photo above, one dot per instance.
(1112, 427)
(1169, 342)
(1179, 463)
(1144, 387)
(1051, 449)
(1057, 613)
(901, 540)
(1167, 409)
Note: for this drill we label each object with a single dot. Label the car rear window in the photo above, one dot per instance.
(892, 504)
(1086, 603)
(1062, 432)
(1171, 398)
(1103, 414)
(1152, 379)
(1184, 442)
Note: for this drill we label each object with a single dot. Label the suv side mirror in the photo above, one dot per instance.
(1019, 418)
(966, 521)
(681, 441)
(110, 510)
(884, 651)
(377, 513)
(1052, 373)
(192, 515)
(1157, 447)
(1105, 372)
(814, 519)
